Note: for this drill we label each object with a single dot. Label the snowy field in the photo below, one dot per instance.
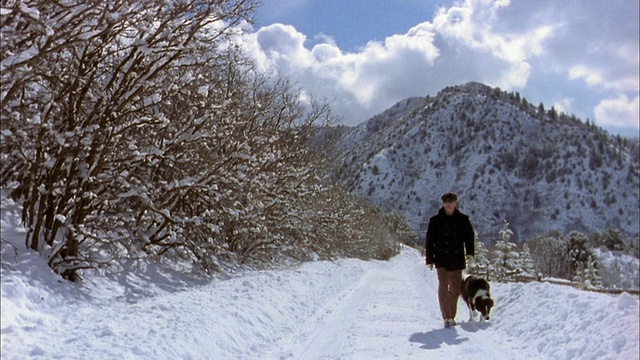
(348, 309)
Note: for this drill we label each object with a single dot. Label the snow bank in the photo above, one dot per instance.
(566, 323)
(293, 314)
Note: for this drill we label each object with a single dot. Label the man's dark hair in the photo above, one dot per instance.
(449, 197)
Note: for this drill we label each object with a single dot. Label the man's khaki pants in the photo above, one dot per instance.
(449, 283)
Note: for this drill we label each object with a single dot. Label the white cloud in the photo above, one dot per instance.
(284, 47)
(457, 46)
(324, 52)
(620, 112)
(355, 82)
(504, 44)
(591, 76)
(599, 77)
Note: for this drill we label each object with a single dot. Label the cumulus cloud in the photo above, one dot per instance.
(620, 112)
(355, 83)
(504, 44)
(282, 48)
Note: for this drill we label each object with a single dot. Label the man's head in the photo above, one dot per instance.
(450, 202)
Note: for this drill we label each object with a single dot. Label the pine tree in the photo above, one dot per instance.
(592, 274)
(579, 251)
(480, 264)
(504, 257)
(587, 273)
(526, 264)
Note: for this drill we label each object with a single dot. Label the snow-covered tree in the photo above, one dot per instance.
(618, 271)
(526, 264)
(136, 128)
(579, 251)
(588, 274)
(89, 143)
(611, 239)
(334, 224)
(504, 256)
(480, 263)
(549, 254)
(401, 231)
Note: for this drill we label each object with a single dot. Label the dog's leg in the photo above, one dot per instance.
(473, 314)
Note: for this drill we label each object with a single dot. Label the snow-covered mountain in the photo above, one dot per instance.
(506, 158)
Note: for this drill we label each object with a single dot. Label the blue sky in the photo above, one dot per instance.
(351, 23)
(364, 55)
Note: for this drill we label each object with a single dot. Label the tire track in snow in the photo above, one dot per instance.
(365, 316)
(330, 331)
(392, 312)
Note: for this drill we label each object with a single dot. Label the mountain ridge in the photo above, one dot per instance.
(508, 159)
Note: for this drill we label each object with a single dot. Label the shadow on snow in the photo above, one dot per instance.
(434, 339)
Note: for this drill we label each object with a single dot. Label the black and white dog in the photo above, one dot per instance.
(477, 294)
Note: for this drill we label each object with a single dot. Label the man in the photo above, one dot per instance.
(449, 236)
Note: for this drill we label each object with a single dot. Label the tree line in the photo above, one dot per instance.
(570, 257)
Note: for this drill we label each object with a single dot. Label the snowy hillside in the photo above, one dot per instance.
(347, 309)
(507, 159)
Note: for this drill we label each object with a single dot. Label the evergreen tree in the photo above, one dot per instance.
(480, 264)
(579, 251)
(541, 110)
(526, 264)
(611, 239)
(504, 256)
(587, 273)
(593, 278)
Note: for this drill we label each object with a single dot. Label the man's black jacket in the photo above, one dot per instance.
(447, 239)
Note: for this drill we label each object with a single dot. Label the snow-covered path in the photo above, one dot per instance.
(392, 312)
(348, 309)
(375, 316)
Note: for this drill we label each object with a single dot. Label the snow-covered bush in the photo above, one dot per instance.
(334, 224)
(82, 121)
(401, 229)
